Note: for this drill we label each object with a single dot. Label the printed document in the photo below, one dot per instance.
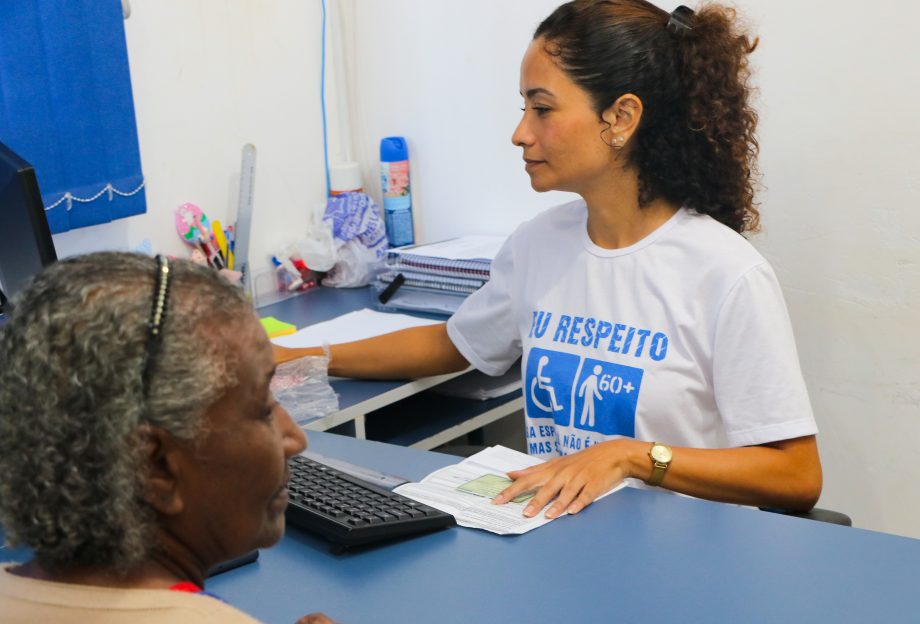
(471, 505)
(349, 327)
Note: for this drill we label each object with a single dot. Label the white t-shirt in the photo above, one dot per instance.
(681, 338)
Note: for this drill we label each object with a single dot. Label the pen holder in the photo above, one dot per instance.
(265, 289)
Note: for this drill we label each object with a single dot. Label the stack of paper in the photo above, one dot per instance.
(437, 277)
(465, 491)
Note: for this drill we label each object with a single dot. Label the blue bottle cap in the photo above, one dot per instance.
(394, 149)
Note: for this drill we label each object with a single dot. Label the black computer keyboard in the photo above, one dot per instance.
(350, 512)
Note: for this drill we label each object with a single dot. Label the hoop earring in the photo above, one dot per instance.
(612, 142)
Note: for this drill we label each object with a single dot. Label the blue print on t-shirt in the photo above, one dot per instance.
(548, 389)
(605, 398)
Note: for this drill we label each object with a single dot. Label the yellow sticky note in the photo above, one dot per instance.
(274, 327)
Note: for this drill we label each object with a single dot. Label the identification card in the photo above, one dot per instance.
(490, 486)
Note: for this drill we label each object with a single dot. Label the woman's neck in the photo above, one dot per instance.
(615, 219)
(165, 567)
(142, 577)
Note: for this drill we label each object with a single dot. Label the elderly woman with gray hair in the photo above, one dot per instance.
(140, 444)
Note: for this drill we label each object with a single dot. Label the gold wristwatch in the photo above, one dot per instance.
(661, 456)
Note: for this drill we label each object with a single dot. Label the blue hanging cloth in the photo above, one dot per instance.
(66, 107)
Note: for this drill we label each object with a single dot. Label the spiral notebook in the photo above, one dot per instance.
(466, 256)
(449, 283)
(437, 277)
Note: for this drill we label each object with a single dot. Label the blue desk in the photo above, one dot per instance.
(357, 398)
(636, 556)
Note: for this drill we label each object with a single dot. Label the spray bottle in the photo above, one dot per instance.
(397, 202)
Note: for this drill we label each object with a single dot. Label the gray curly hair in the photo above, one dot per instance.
(72, 399)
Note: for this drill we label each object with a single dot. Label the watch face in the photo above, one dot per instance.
(661, 453)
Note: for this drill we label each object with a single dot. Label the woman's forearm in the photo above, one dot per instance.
(406, 354)
(784, 474)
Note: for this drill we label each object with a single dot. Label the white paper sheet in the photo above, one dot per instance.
(463, 248)
(439, 490)
(349, 327)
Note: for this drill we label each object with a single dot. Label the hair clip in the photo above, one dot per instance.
(680, 21)
(157, 318)
(160, 295)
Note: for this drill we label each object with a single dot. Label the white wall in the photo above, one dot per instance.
(210, 76)
(842, 170)
(445, 75)
(839, 154)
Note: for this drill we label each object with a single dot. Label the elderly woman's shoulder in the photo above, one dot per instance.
(30, 600)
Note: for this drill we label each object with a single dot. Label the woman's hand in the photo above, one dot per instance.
(574, 480)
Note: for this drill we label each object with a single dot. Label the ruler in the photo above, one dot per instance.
(244, 216)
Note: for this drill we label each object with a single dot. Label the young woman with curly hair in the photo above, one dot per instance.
(655, 340)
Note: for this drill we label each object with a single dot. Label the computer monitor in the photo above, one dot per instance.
(25, 239)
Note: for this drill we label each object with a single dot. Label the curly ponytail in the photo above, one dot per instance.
(696, 142)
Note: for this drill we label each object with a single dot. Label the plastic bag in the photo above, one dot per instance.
(302, 388)
(360, 238)
(319, 249)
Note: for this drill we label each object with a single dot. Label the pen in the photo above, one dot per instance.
(231, 242)
(390, 290)
(217, 251)
(217, 233)
(205, 251)
(214, 258)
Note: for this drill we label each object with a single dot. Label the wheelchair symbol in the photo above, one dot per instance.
(544, 383)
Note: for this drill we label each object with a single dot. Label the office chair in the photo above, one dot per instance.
(819, 515)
